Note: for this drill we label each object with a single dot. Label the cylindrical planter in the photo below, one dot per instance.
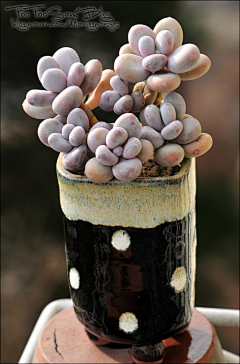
(130, 251)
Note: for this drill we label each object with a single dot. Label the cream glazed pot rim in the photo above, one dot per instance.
(142, 203)
(76, 177)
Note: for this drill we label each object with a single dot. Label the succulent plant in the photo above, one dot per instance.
(177, 129)
(67, 82)
(148, 69)
(159, 57)
(119, 152)
(122, 99)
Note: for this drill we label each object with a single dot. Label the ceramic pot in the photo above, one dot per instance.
(130, 251)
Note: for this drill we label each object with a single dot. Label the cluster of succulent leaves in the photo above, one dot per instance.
(146, 73)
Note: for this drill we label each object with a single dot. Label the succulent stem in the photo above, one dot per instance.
(140, 86)
(92, 118)
(159, 99)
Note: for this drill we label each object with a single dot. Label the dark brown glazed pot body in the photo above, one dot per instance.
(136, 281)
(132, 285)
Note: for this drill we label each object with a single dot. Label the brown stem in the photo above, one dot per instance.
(150, 96)
(159, 99)
(92, 118)
(140, 86)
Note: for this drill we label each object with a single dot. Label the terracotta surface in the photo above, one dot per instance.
(64, 340)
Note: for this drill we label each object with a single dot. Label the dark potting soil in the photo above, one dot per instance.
(152, 169)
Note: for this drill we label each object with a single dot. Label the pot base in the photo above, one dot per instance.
(97, 340)
(64, 340)
(150, 353)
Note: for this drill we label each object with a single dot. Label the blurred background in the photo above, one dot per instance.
(33, 258)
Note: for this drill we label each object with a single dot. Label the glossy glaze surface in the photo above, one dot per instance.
(142, 203)
(133, 285)
(198, 344)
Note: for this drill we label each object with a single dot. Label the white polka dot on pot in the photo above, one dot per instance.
(179, 278)
(121, 240)
(128, 322)
(74, 278)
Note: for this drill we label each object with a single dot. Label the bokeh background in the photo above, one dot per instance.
(33, 260)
